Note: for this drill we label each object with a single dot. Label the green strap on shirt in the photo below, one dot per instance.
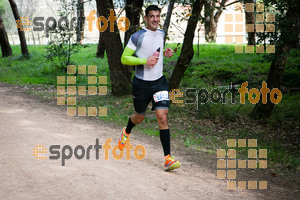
(128, 59)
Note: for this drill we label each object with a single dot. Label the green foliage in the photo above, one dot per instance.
(283, 23)
(61, 50)
(292, 70)
(63, 43)
(2, 10)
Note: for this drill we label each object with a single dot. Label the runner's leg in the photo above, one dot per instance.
(135, 119)
(164, 132)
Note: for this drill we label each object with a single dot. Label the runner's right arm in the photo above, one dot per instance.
(128, 58)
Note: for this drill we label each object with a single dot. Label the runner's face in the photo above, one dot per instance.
(152, 20)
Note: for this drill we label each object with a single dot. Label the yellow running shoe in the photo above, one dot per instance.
(170, 163)
(122, 139)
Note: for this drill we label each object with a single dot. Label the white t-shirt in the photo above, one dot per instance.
(145, 42)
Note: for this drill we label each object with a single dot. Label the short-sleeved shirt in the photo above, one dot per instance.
(145, 42)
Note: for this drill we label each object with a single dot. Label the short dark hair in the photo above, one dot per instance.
(152, 7)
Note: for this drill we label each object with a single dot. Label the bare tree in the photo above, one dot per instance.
(212, 13)
(249, 16)
(80, 21)
(288, 23)
(133, 9)
(168, 18)
(119, 74)
(26, 7)
(5, 46)
(21, 33)
(187, 52)
(101, 45)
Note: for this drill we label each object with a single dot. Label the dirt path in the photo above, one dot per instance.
(26, 122)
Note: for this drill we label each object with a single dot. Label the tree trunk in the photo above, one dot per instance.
(288, 39)
(211, 19)
(133, 9)
(119, 75)
(168, 18)
(33, 37)
(128, 7)
(249, 17)
(21, 33)
(80, 21)
(101, 46)
(187, 51)
(5, 46)
(209, 25)
(39, 38)
(274, 81)
(12, 37)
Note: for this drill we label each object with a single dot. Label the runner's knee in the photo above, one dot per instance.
(138, 119)
(162, 119)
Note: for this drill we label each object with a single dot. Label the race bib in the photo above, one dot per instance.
(161, 96)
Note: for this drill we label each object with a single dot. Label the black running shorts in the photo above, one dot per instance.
(143, 92)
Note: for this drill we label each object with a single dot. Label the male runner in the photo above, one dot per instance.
(149, 83)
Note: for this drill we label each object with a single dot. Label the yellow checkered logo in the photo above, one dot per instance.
(67, 90)
(227, 164)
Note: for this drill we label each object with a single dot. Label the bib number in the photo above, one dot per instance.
(161, 96)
